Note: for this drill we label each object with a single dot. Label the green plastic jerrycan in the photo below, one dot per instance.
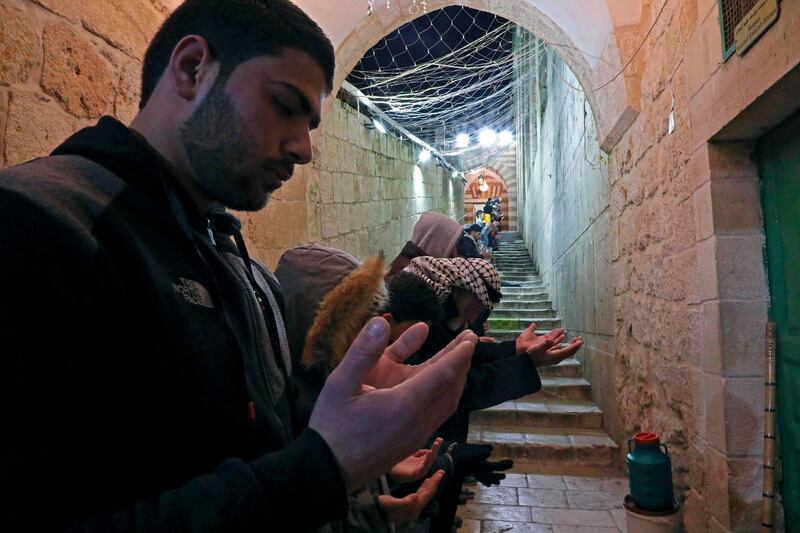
(650, 473)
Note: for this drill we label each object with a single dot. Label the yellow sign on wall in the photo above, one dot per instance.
(755, 23)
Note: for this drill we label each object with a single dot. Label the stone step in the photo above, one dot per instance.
(508, 265)
(503, 312)
(538, 444)
(515, 275)
(569, 368)
(538, 290)
(512, 258)
(523, 293)
(513, 323)
(524, 304)
(555, 413)
(521, 281)
(520, 272)
(563, 388)
(532, 285)
(510, 334)
(525, 279)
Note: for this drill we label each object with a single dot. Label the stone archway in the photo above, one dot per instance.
(594, 60)
(499, 185)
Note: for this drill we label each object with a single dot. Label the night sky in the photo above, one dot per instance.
(433, 36)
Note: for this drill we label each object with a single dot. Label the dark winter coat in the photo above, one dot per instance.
(144, 385)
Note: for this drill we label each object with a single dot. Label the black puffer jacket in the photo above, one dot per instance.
(142, 386)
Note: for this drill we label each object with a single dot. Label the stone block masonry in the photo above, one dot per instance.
(363, 193)
(65, 63)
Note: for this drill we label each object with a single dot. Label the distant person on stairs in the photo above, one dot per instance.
(434, 235)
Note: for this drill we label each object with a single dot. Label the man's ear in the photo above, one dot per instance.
(189, 64)
(388, 317)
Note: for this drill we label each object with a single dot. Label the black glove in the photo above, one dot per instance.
(489, 472)
(471, 460)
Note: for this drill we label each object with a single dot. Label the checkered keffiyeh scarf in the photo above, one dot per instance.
(443, 275)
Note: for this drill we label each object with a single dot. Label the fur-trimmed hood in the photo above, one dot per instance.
(329, 298)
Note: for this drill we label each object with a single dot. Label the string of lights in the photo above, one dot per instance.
(450, 77)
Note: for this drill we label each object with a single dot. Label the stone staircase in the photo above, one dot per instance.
(559, 424)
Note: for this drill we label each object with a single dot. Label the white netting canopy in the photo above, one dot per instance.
(450, 77)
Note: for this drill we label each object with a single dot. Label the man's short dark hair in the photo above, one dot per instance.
(237, 30)
(411, 298)
(475, 227)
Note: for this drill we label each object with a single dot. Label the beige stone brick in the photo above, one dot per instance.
(713, 397)
(732, 160)
(3, 117)
(19, 45)
(166, 6)
(128, 91)
(704, 216)
(343, 216)
(710, 342)
(742, 337)
(706, 53)
(127, 25)
(35, 126)
(73, 73)
(737, 206)
(744, 415)
(740, 268)
(695, 513)
(745, 489)
(716, 487)
(707, 278)
(69, 9)
(329, 223)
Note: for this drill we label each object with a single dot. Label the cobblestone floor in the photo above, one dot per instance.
(548, 503)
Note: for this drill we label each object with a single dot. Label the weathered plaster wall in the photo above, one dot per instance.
(566, 223)
(363, 193)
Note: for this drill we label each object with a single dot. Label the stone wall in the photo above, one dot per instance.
(684, 240)
(363, 193)
(64, 63)
(566, 223)
(689, 285)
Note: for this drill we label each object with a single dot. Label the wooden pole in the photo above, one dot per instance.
(770, 404)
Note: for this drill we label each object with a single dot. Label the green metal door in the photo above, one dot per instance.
(779, 161)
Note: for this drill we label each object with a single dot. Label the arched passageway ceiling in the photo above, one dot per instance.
(488, 173)
(584, 30)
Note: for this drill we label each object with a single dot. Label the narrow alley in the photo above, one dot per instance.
(627, 170)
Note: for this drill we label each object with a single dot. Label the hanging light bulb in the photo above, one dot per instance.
(424, 156)
(482, 184)
(505, 138)
(487, 137)
(462, 140)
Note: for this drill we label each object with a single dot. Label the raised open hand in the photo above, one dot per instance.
(403, 510)
(416, 465)
(528, 342)
(368, 431)
(557, 353)
(390, 369)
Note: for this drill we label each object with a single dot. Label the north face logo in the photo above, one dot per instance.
(193, 292)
